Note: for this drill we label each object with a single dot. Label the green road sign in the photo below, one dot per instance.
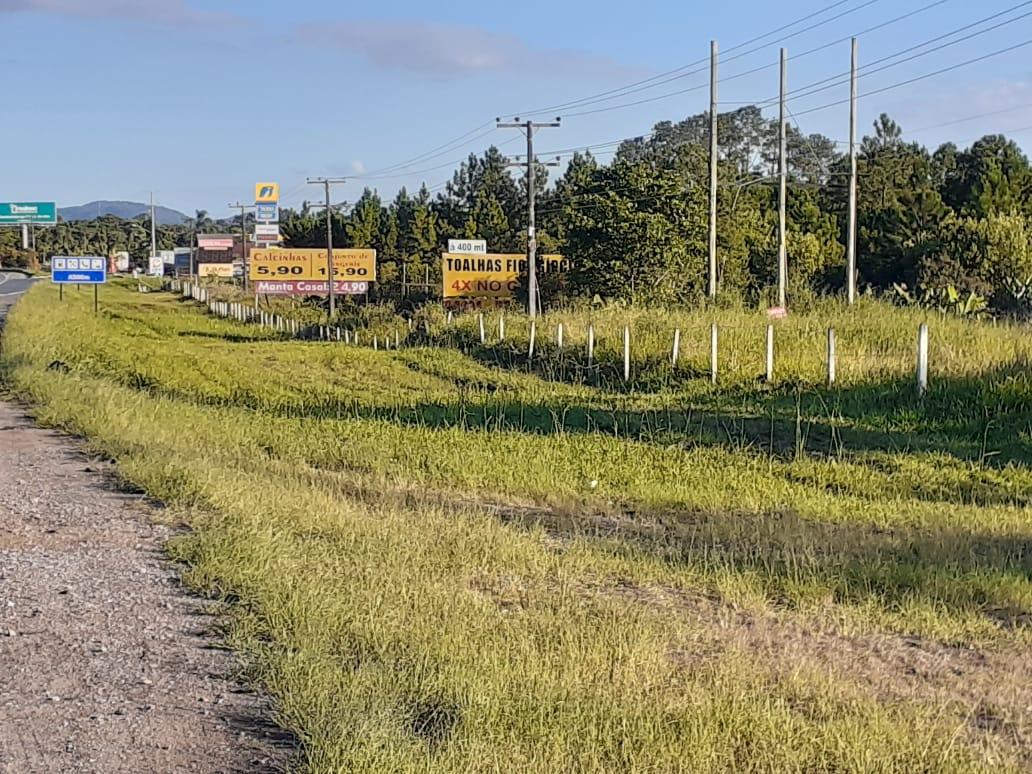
(16, 213)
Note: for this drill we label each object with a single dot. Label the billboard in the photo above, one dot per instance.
(266, 193)
(349, 265)
(267, 213)
(16, 213)
(266, 232)
(307, 288)
(78, 270)
(215, 241)
(222, 270)
(494, 275)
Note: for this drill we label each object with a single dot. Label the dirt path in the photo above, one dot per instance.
(106, 664)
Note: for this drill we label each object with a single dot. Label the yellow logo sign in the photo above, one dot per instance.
(266, 193)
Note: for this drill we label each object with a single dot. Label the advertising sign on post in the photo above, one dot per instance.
(39, 213)
(266, 213)
(494, 275)
(467, 246)
(156, 266)
(349, 265)
(266, 193)
(266, 232)
(308, 288)
(78, 270)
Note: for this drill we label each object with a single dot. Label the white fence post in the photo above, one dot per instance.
(482, 336)
(397, 338)
(675, 351)
(922, 359)
(832, 357)
(533, 336)
(591, 343)
(501, 327)
(713, 352)
(627, 353)
(770, 353)
(559, 336)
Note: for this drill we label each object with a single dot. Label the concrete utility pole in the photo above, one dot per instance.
(25, 236)
(153, 230)
(782, 174)
(533, 302)
(243, 234)
(851, 237)
(326, 182)
(713, 171)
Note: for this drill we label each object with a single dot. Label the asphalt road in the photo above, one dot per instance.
(12, 285)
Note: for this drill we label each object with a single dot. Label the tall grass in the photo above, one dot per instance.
(437, 563)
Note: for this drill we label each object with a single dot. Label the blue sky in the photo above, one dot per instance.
(198, 99)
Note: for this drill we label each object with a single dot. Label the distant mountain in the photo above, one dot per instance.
(127, 210)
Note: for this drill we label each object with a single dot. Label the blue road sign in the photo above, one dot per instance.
(81, 270)
(266, 212)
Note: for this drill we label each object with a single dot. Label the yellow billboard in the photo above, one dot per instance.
(494, 275)
(351, 264)
(266, 193)
(222, 270)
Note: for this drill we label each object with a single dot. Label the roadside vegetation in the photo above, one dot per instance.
(445, 558)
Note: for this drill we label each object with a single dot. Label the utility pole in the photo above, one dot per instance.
(326, 182)
(533, 302)
(25, 236)
(243, 235)
(713, 171)
(153, 231)
(851, 237)
(782, 170)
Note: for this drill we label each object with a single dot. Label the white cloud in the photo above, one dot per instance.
(358, 168)
(449, 49)
(169, 12)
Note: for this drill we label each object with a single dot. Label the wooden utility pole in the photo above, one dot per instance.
(326, 182)
(533, 301)
(243, 235)
(851, 237)
(713, 172)
(782, 187)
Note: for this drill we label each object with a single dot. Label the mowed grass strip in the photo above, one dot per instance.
(405, 633)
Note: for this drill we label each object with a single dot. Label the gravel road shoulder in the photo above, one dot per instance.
(106, 663)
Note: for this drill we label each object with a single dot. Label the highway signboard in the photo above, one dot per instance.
(494, 275)
(78, 270)
(307, 288)
(17, 213)
(309, 264)
(467, 246)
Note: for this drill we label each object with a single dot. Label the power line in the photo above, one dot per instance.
(437, 152)
(678, 73)
(915, 79)
(809, 89)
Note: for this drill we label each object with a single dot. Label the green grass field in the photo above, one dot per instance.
(447, 558)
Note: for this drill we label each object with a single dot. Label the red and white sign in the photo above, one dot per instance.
(266, 232)
(215, 243)
(307, 288)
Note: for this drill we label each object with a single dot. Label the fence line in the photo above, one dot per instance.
(293, 328)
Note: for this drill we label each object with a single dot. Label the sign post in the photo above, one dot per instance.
(79, 270)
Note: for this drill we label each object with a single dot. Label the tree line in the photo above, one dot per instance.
(949, 222)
